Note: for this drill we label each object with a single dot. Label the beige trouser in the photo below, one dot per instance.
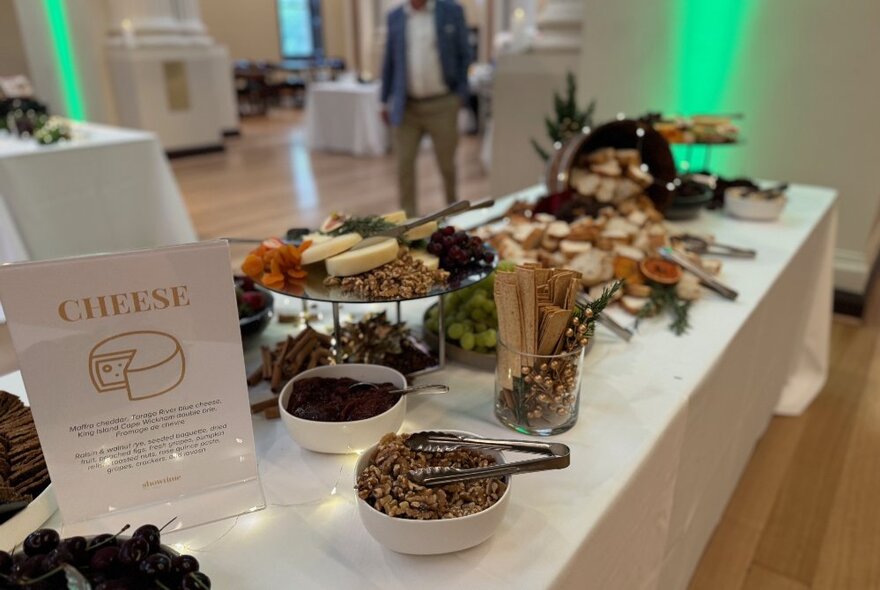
(438, 117)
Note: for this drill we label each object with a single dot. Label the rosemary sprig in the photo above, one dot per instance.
(365, 226)
(664, 298)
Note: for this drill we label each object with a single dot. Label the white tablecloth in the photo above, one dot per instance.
(666, 426)
(345, 117)
(110, 190)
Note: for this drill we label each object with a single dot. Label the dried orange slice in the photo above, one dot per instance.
(660, 271)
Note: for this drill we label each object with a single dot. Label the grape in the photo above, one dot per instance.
(435, 248)
(433, 324)
(455, 331)
(478, 315)
(448, 230)
(479, 327)
(468, 341)
(490, 338)
(437, 236)
(488, 306)
(41, 541)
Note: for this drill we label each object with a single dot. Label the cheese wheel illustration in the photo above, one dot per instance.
(143, 364)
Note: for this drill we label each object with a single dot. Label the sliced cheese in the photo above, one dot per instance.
(422, 232)
(430, 261)
(355, 262)
(395, 217)
(316, 238)
(323, 250)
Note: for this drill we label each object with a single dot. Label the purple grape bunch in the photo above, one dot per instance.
(456, 249)
(107, 562)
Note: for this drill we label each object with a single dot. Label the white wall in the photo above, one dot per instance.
(804, 74)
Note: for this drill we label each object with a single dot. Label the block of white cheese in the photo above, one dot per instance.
(354, 262)
(332, 247)
(316, 238)
(395, 217)
(422, 232)
(430, 261)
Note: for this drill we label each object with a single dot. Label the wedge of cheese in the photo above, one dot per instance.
(332, 247)
(422, 232)
(355, 262)
(430, 261)
(395, 217)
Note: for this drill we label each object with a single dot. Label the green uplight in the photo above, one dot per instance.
(711, 35)
(65, 58)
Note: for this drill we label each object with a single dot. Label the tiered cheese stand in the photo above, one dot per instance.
(314, 289)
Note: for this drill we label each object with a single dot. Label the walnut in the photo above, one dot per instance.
(385, 486)
(402, 278)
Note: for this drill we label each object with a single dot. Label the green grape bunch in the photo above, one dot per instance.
(471, 317)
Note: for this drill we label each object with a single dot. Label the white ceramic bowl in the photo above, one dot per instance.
(430, 537)
(344, 437)
(738, 205)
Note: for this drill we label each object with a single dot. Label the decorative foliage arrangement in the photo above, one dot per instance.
(568, 119)
(665, 298)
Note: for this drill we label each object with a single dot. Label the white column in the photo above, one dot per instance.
(190, 16)
(559, 26)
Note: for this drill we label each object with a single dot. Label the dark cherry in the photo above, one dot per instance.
(101, 541)
(184, 564)
(150, 533)
(57, 557)
(157, 564)
(5, 562)
(118, 584)
(133, 551)
(41, 541)
(105, 559)
(195, 581)
(78, 548)
(28, 568)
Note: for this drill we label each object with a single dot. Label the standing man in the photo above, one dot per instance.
(424, 82)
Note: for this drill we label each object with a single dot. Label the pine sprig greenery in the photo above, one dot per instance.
(664, 298)
(568, 118)
(596, 307)
(365, 226)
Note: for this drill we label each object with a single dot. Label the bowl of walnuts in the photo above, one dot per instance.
(418, 520)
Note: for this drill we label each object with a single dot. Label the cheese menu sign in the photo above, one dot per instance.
(134, 370)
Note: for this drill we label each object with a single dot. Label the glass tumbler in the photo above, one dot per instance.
(537, 394)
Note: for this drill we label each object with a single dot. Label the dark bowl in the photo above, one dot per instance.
(623, 134)
(255, 324)
(686, 207)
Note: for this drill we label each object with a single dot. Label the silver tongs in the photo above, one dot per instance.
(699, 245)
(398, 231)
(556, 456)
(613, 325)
(705, 278)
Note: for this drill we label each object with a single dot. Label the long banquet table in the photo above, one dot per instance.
(667, 425)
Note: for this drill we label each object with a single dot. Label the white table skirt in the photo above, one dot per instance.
(110, 190)
(345, 117)
(666, 426)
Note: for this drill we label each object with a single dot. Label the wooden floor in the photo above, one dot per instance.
(806, 513)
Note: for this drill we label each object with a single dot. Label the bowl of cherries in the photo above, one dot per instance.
(255, 306)
(102, 562)
(457, 250)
